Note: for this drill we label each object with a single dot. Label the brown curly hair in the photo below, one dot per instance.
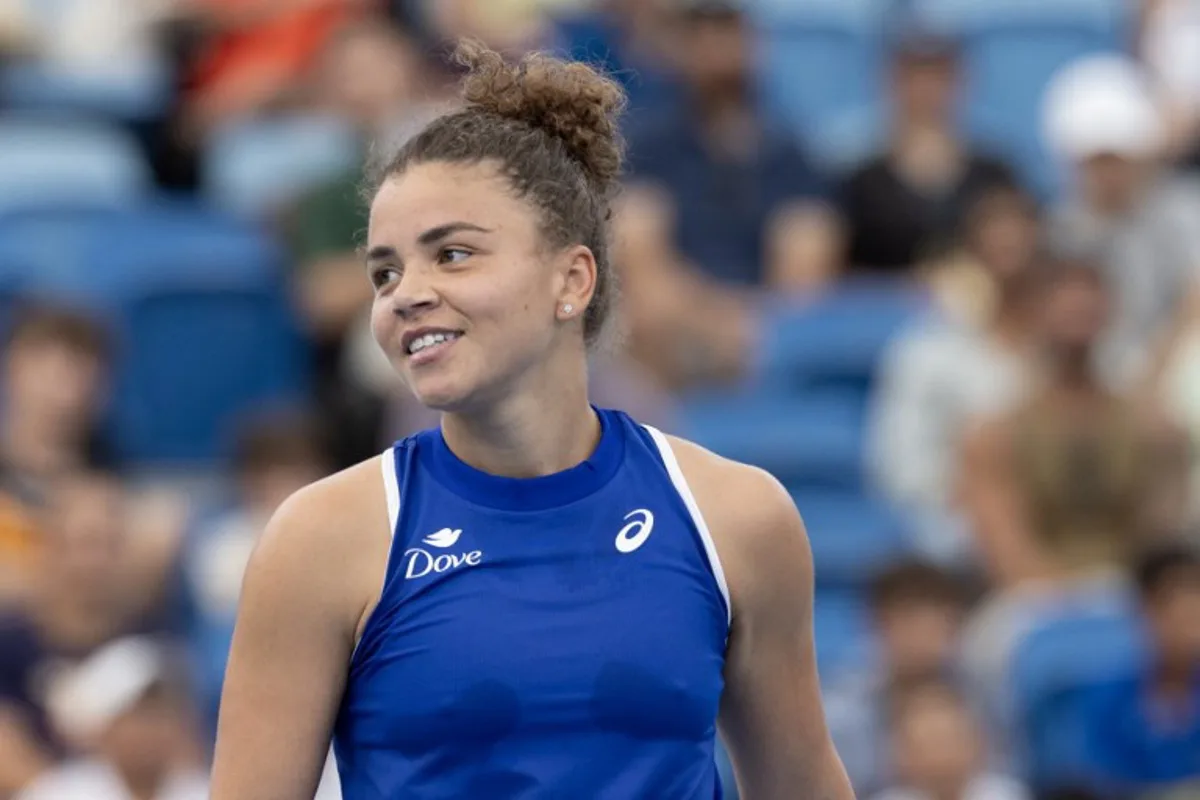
(552, 126)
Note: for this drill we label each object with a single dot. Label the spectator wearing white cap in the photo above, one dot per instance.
(125, 710)
(1123, 209)
(1169, 44)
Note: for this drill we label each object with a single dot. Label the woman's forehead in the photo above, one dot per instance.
(426, 196)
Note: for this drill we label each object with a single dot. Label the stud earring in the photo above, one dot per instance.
(568, 308)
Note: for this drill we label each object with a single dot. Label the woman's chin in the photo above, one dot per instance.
(439, 395)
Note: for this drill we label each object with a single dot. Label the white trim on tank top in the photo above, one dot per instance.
(689, 500)
(391, 488)
(391, 492)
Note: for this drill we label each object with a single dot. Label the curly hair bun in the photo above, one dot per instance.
(568, 100)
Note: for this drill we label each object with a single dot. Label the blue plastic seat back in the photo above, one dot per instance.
(819, 59)
(140, 93)
(801, 441)
(841, 630)
(254, 169)
(1053, 670)
(209, 335)
(199, 306)
(834, 341)
(45, 161)
(852, 536)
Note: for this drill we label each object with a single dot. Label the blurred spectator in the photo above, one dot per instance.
(1123, 209)
(917, 610)
(1146, 728)
(19, 540)
(255, 54)
(510, 26)
(625, 37)
(714, 185)
(87, 40)
(939, 748)
(55, 374)
(974, 356)
(275, 457)
(126, 711)
(371, 74)
(1076, 477)
(1063, 489)
(907, 200)
(1170, 47)
(728, 172)
(90, 586)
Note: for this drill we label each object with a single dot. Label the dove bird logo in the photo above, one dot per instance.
(420, 562)
(443, 538)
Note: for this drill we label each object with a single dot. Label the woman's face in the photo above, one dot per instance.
(468, 298)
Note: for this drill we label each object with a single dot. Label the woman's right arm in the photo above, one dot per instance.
(300, 605)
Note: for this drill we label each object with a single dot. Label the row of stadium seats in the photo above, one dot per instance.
(250, 169)
(1054, 676)
(802, 417)
(1011, 49)
(198, 306)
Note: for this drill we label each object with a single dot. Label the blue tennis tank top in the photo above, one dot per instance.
(552, 637)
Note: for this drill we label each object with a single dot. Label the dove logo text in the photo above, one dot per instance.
(419, 562)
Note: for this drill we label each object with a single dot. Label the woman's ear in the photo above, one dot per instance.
(577, 281)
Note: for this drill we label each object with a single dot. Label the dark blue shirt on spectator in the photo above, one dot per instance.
(597, 39)
(1141, 741)
(723, 204)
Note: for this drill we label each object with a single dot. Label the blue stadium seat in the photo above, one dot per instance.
(1013, 47)
(198, 302)
(1053, 669)
(137, 94)
(819, 59)
(801, 442)
(254, 168)
(51, 252)
(852, 536)
(68, 161)
(842, 630)
(209, 336)
(835, 341)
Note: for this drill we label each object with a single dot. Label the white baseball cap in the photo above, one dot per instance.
(86, 698)
(1101, 105)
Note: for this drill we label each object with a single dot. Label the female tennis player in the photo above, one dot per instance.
(539, 599)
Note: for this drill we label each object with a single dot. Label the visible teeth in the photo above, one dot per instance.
(428, 340)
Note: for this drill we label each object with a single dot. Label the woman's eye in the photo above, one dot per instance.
(382, 277)
(452, 255)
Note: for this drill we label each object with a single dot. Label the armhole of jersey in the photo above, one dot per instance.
(391, 488)
(689, 500)
(391, 491)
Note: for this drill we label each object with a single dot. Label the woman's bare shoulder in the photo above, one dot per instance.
(753, 522)
(732, 493)
(331, 537)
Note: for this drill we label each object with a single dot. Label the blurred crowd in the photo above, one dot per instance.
(1008, 599)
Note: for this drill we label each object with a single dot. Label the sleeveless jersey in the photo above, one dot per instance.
(558, 637)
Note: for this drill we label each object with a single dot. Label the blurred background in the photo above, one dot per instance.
(933, 263)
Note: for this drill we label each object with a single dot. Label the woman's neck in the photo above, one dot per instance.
(539, 431)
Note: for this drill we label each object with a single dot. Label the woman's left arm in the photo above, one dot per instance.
(771, 716)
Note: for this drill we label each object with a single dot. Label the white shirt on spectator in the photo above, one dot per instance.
(1151, 258)
(95, 780)
(1171, 47)
(934, 380)
(984, 787)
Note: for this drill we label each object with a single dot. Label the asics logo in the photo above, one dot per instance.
(635, 534)
(419, 562)
(443, 538)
